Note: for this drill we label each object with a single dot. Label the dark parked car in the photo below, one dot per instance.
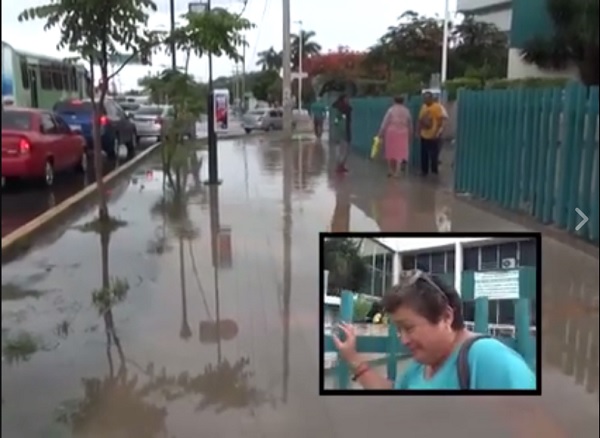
(116, 128)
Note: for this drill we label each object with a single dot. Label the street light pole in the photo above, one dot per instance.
(173, 47)
(444, 72)
(300, 54)
(213, 163)
(287, 71)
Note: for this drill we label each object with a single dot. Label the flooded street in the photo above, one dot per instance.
(25, 200)
(211, 327)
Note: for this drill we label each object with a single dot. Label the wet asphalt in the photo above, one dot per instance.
(217, 335)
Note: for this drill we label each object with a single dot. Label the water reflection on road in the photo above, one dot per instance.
(214, 329)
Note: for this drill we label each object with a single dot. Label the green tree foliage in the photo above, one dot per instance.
(269, 59)
(265, 85)
(347, 270)
(575, 40)
(98, 30)
(309, 46)
(411, 51)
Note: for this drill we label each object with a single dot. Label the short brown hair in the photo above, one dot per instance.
(399, 99)
(429, 296)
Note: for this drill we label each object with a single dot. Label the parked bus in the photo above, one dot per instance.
(37, 81)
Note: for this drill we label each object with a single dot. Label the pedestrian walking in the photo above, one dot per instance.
(431, 123)
(318, 112)
(343, 123)
(396, 133)
(445, 355)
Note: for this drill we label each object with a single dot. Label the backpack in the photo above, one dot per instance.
(462, 364)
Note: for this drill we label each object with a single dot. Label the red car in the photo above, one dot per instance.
(36, 144)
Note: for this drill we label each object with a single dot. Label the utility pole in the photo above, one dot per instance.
(244, 77)
(287, 71)
(173, 47)
(444, 72)
(213, 162)
(300, 54)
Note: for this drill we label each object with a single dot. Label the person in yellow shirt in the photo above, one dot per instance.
(432, 119)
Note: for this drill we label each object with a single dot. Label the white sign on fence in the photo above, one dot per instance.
(497, 285)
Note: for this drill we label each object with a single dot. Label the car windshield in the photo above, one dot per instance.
(73, 106)
(16, 120)
(129, 106)
(149, 111)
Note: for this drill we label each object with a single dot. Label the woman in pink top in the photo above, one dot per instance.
(395, 133)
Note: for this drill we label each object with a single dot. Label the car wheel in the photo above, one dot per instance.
(49, 173)
(113, 153)
(248, 131)
(82, 165)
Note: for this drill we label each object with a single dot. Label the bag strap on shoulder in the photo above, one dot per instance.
(463, 369)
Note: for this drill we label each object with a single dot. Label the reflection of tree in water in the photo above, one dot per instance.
(309, 164)
(118, 405)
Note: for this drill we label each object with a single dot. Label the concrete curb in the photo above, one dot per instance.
(15, 238)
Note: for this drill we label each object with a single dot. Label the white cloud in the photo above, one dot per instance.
(353, 23)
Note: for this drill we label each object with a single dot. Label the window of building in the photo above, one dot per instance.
(380, 261)
(450, 261)
(506, 312)
(438, 263)
(489, 257)
(469, 311)
(470, 259)
(527, 253)
(424, 262)
(408, 262)
(73, 79)
(508, 250)
(45, 77)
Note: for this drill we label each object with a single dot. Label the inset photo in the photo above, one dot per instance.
(452, 313)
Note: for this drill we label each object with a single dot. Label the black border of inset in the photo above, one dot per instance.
(372, 235)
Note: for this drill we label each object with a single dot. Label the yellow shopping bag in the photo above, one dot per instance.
(375, 147)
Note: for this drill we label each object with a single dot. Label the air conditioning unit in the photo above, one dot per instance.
(509, 263)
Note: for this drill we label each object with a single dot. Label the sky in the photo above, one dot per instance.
(359, 26)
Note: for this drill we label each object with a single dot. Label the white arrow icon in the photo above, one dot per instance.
(584, 219)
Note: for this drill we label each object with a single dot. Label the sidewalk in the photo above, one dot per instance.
(261, 381)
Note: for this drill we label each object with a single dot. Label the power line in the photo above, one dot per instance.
(262, 19)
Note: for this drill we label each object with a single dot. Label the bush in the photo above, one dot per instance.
(361, 308)
(504, 84)
(453, 85)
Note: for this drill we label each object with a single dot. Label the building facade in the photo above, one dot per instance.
(453, 262)
(521, 20)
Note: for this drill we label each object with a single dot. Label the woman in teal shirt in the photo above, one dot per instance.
(445, 355)
(318, 111)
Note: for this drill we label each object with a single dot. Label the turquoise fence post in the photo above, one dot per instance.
(486, 149)
(535, 147)
(553, 146)
(503, 162)
(519, 142)
(479, 115)
(529, 139)
(460, 140)
(566, 156)
(346, 315)
(393, 348)
(578, 142)
(590, 148)
(543, 153)
(510, 147)
(595, 195)
(482, 318)
(493, 143)
(523, 339)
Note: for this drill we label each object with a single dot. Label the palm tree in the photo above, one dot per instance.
(269, 60)
(309, 47)
(574, 42)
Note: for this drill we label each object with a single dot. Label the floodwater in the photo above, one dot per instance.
(213, 323)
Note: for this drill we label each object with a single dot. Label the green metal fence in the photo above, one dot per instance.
(524, 340)
(533, 151)
(367, 114)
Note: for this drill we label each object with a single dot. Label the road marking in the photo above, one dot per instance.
(584, 219)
